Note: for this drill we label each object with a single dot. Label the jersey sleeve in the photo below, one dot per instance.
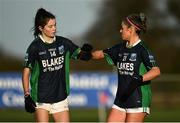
(73, 49)
(111, 55)
(30, 57)
(148, 59)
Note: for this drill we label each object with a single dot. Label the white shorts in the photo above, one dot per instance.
(54, 107)
(133, 110)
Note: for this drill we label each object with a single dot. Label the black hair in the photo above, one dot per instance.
(41, 19)
(137, 20)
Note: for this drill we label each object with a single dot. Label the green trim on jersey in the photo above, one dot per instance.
(75, 53)
(67, 72)
(148, 50)
(145, 89)
(67, 59)
(34, 80)
(29, 66)
(108, 59)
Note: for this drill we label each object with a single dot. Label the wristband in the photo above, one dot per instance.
(26, 93)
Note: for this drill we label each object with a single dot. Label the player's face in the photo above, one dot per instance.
(125, 32)
(49, 29)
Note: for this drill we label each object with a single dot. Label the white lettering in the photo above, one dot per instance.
(89, 82)
(131, 67)
(53, 53)
(44, 63)
(53, 64)
(125, 66)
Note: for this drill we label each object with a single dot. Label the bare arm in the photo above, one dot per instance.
(25, 80)
(98, 54)
(151, 74)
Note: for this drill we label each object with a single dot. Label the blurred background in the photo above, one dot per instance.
(96, 22)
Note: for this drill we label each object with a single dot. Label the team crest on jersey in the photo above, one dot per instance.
(61, 49)
(133, 57)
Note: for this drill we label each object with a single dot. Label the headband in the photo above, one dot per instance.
(129, 21)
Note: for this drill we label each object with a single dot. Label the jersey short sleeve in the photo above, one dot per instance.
(30, 56)
(73, 49)
(111, 54)
(148, 59)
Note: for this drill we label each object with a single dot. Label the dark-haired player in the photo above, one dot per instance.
(136, 66)
(47, 67)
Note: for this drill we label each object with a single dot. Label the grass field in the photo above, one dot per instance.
(160, 114)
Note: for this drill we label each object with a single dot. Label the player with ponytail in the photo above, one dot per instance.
(46, 68)
(136, 67)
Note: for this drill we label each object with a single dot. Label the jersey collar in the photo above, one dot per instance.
(54, 39)
(133, 44)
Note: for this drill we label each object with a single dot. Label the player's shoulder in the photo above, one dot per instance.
(62, 39)
(143, 46)
(34, 44)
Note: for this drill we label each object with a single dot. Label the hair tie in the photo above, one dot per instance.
(142, 16)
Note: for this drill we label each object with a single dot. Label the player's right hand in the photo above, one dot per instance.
(85, 53)
(29, 104)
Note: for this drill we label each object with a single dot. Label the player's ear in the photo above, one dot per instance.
(40, 28)
(132, 29)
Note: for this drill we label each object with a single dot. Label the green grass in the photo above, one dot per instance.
(11, 115)
(158, 114)
(167, 114)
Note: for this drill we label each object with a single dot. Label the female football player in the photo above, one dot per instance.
(136, 67)
(46, 68)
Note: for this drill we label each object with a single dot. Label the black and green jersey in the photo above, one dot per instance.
(137, 59)
(49, 64)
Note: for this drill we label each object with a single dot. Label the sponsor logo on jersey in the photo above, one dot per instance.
(133, 57)
(52, 64)
(151, 58)
(126, 54)
(52, 49)
(53, 61)
(120, 55)
(125, 68)
(61, 49)
(42, 53)
(138, 101)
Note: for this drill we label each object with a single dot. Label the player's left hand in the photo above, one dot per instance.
(138, 79)
(29, 104)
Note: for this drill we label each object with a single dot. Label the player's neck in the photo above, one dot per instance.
(46, 39)
(133, 40)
